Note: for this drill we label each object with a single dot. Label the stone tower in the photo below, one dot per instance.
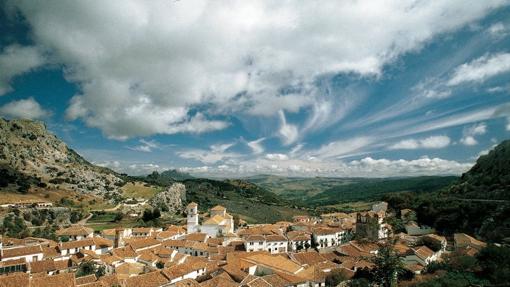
(192, 211)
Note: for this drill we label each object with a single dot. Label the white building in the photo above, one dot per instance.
(325, 237)
(271, 243)
(29, 253)
(219, 223)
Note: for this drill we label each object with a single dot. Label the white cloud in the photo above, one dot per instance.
(142, 66)
(472, 131)
(276, 156)
(256, 146)
(341, 148)
(365, 167)
(146, 146)
(432, 142)
(25, 109)
(216, 153)
(16, 60)
(498, 30)
(288, 133)
(481, 69)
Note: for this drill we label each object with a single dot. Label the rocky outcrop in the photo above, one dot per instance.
(28, 148)
(171, 199)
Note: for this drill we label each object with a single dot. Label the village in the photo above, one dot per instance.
(213, 250)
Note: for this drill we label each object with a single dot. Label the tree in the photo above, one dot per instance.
(160, 265)
(495, 264)
(118, 217)
(387, 266)
(335, 277)
(86, 268)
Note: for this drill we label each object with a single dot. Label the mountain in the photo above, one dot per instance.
(251, 202)
(477, 203)
(489, 178)
(32, 159)
(326, 190)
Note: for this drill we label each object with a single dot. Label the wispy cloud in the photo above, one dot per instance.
(433, 142)
(481, 69)
(256, 145)
(146, 146)
(287, 132)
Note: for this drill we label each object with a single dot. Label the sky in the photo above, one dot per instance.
(237, 88)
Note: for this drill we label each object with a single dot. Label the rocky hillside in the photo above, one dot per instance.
(31, 156)
(489, 178)
(172, 199)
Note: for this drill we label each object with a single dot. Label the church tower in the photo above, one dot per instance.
(192, 211)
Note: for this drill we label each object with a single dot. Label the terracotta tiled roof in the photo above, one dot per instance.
(276, 280)
(151, 279)
(423, 252)
(75, 230)
(109, 280)
(308, 258)
(326, 230)
(13, 262)
(197, 237)
(215, 220)
(192, 204)
(463, 240)
(298, 236)
(275, 238)
(15, 280)
(42, 266)
(223, 280)
(21, 251)
(60, 280)
(187, 283)
(173, 243)
(86, 279)
(274, 262)
(76, 244)
(124, 252)
(140, 243)
(218, 208)
(254, 238)
(102, 242)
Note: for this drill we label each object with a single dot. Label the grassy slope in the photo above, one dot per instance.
(139, 190)
(251, 202)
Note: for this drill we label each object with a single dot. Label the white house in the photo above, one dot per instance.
(97, 244)
(76, 232)
(276, 244)
(29, 253)
(299, 240)
(325, 237)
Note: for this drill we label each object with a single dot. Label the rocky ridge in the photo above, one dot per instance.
(28, 149)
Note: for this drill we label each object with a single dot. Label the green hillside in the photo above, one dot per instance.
(476, 204)
(489, 178)
(325, 191)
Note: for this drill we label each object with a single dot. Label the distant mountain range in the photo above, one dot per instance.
(325, 190)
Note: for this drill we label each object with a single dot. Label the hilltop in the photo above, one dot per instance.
(32, 159)
(489, 178)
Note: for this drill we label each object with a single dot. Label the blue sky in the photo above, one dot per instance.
(313, 88)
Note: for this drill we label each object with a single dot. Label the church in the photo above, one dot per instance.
(219, 223)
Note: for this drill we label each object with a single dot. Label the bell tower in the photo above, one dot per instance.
(192, 220)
